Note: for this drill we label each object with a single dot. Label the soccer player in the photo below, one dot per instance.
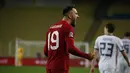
(60, 42)
(122, 65)
(106, 49)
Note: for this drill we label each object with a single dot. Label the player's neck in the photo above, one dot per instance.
(67, 20)
(109, 34)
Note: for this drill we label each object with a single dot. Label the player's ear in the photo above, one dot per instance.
(70, 15)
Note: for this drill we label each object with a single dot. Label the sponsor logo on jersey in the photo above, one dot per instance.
(71, 34)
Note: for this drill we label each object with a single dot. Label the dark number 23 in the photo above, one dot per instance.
(106, 49)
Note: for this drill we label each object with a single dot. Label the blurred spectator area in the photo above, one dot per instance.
(2, 2)
(119, 10)
(30, 3)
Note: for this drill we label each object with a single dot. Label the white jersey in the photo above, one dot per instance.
(126, 43)
(122, 64)
(108, 48)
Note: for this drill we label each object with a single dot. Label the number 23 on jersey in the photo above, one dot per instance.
(106, 49)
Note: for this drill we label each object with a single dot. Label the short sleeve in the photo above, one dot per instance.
(96, 44)
(119, 44)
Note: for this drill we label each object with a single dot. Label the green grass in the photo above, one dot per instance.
(34, 69)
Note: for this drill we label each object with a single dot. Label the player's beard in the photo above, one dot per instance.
(73, 23)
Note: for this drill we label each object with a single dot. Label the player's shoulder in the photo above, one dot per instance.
(125, 40)
(106, 36)
(117, 38)
(67, 27)
(101, 36)
(63, 25)
(57, 25)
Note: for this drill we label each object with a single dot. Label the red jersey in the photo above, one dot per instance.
(59, 43)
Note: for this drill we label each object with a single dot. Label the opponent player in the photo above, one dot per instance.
(122, 65)
(106, 46)
(60, 42)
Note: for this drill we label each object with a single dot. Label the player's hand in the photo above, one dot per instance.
(91, 56)
(92, 70)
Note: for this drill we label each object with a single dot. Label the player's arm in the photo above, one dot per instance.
(125, 57)
(45, 50)
(96, 59)
(46, 46)
(92, 67)
(75, 51)
(69, 39)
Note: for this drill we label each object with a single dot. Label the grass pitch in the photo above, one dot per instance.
(36, 69)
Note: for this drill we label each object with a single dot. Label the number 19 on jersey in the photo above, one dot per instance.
(53, 38)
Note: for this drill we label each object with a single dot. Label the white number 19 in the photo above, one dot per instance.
(52, 40)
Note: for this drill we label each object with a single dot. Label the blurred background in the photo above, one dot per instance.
(23, 25)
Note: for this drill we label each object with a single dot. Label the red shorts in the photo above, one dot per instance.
(56, 71)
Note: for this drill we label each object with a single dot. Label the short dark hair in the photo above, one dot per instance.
(127, 34)
(110, 27)
(67, 9)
